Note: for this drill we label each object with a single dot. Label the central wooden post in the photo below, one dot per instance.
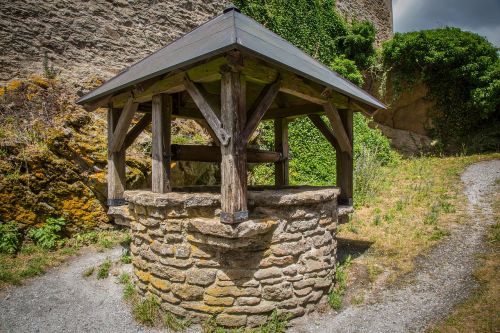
(234, 159)
(162, 116)
(116, 163)
(345, 161)
(281, 146)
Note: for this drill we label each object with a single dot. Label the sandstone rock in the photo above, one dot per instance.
(187, 292)
(218, 301)
(160, 284)
(172, 274)
(248, 301)
(173, 262)
(182, 251)
(276, 261)
(277, 292)
(201, 277)
(263, 307)
(228, 320)
(267, 273)
(232, 291)
(256, 320)
(201, 307)
(289, 248)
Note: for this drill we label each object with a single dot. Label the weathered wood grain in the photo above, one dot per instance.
(161, 154)
(338, 127)
(137, 130)
(116, 164)
(124, 122)
(281, 174)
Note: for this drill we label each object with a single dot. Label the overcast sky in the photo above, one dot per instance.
(480, 16)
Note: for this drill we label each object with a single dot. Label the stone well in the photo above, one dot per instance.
(282, 258)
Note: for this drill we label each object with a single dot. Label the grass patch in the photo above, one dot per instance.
(341, 275)
(103, 269)
(174, 323)
(129, 292)
(126, 258)
(275, 323)
(32, 259)
(416, 203)
(89, 271)
(147, 311)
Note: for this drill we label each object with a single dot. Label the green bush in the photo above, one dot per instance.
(48, 235)
(462, 73)
(10, 237)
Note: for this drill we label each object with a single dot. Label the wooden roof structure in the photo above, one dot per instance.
(229, 74)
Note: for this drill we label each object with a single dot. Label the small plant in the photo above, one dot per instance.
(335, 296)
(10, 237)
(48, 235)
(175, 324)
(126, 258)
(129, 292)
(49, 70)
(124, 278)
(103, 271)
(89, 271)
(105, 243)
(276, 323)
(147, 311)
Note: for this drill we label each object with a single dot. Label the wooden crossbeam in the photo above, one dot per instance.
(123, 124)
(200, 153)
(136, 130)
(339, 130)
(294, 85)
(325, 130)
(261, 105)
(205, 107)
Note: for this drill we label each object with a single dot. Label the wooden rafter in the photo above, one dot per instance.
(205, 107)
(340, 133)
(261, 105)
(325, 130)
(123, 124)
(200, 153)
(136, 130)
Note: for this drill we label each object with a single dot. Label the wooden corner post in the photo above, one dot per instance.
(161, 122)
(233, 164)
(345, 161)
(281, 146)
(116, 163)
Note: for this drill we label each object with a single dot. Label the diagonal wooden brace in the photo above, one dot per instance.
(339, 130)
(123, 124)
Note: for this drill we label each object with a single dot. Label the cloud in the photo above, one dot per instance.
(480, 16)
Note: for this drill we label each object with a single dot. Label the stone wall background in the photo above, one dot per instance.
(100, 38)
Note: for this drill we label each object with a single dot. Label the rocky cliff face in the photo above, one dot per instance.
(99, 38)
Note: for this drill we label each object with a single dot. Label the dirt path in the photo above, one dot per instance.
(64, 301)
(443, 277)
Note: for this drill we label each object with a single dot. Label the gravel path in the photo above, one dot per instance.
(64, 301)
(443, 277)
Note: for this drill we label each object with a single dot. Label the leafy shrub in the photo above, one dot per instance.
(10, 237)
(48, 235)
(462, 73)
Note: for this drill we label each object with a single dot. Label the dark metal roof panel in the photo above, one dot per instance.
(257, 39)
(228, 31)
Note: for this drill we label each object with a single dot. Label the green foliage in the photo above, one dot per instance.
(48, 235)
(126, 258)
(129, 292)
(335, 296)
(147, 311)
(462, 72)
(103, 270)
(10, 237)
(175, 324)
(318, 29)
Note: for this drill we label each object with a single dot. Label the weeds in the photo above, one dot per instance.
(129, 292)
(124, 278)
(367, 177)
(10, 237)
(147, 311)
(48, 235)
(89, 271)
(275, 323)
(103, 270)
(125, 257)
(174, 323)
(335, 296)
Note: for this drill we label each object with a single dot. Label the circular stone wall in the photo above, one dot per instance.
(282, 258)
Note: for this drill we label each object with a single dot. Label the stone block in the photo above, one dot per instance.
(285, 237)
(256, 320)
(182, 251)
(291, 270)
(143, 276)
(169, 298)
(137, 227)
(232, 291)
(199, 252)
(171, 225)
(304, 283)
(228, 320)
(240, 283)
(218, 301)
(234, 274)
(201, 277)
(248, 301)
(302, 225)
(290, 248)
(276, 261)
(277, 292)
(263, 307)
(187, 292)
(201, 307)
(302, 292)
(170, 273)
(174, 262)
(272, 281)
(162, 249)
(160, 284)
(266, 273)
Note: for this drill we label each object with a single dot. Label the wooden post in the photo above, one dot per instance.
(281, 146)
(116, 164)
(345, 162)
(161, 123)
(234, 159)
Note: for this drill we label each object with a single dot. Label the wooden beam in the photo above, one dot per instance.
(207, 110)
(325, 130)
(116, 164)
(136, 130)
(200, 153)
(261, 105)
(281, 146)
(293, 85)
(124, 122)
(345, 162)
(162, 114)
(233, 164)
(293, 111)
(338, 128)
(367, 110)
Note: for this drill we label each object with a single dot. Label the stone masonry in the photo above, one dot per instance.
(282, 258)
